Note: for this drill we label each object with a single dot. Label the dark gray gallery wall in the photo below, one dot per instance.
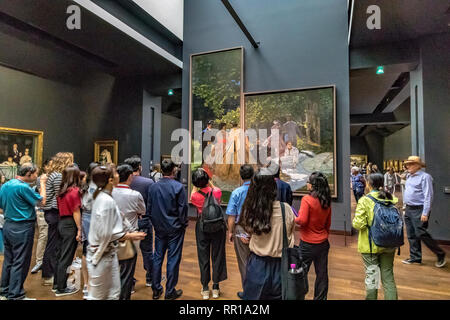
(73, 117)
(358, 145)
(169, 124)
(435, 61)
(33, 103)
(375, 144)
(303, 44)
(397, 146)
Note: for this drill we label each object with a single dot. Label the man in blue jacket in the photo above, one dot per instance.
(168, 210)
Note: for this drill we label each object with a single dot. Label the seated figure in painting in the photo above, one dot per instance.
(26, 157)
(16, 154)
(105, 157)
(291, 156)
(9, 163)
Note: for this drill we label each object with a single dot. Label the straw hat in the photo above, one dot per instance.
(414, 159)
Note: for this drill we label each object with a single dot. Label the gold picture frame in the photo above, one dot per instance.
(19, 135)
(109, 151)
(360, 159)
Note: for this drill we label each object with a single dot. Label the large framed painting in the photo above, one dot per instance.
(305, 123)
(358, 159)
(106, 151)
(19, 146)
(215, 107)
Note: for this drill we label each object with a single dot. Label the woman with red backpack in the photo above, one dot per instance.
(378, 261)
(210, 245)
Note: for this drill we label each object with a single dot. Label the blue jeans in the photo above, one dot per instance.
(173, 244)
(2, 248)
(18, 237)
(146, 247)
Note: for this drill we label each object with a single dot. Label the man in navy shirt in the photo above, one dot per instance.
(18, 201)
(142, 185)
(284, 191)
(168, 211)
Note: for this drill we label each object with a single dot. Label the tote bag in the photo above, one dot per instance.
(294, 286)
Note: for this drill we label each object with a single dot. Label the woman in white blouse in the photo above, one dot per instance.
(105, 231)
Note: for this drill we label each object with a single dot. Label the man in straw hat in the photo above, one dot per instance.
(417, 198)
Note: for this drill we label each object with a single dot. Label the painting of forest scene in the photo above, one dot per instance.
(215, 104)
(305, 119)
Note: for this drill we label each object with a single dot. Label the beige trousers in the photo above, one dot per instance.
(42, 236)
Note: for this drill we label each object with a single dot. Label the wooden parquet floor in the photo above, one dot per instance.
(346, 275)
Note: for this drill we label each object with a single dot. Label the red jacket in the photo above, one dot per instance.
(314, 221)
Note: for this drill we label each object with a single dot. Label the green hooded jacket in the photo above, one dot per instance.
(364, 214)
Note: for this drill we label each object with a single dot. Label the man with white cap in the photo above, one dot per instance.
(418, 197)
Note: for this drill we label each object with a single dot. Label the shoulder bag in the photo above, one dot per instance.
(126, 250)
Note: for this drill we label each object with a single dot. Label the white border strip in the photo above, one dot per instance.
(351, 21)
(100, 12)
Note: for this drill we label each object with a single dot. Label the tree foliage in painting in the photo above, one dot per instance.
(216, 80)
(262, 110)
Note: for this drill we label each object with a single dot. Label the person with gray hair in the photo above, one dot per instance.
(18, 201)
(358, 183)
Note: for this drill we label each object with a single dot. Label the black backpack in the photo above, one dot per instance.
(211, 219)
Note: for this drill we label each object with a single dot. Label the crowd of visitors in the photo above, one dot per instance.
(112, 211)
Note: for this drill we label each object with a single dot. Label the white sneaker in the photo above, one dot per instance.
(205, 294)
(216, 293)
(3, 298)
(27, 298)
(47, 281)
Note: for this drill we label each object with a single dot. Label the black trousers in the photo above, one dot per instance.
(68, 246)
(53, 241)
(18, 238)
(127, 268)
(211, 246)
(358, 195)
(417, 232)
(317, 253)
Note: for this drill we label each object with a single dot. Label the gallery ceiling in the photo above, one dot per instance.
(400, 20)
(41, 44)
(367, 91)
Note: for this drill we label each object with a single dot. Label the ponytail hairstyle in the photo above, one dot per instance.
(376, 181)
(101, 176)
(320, 189)
(70, 179)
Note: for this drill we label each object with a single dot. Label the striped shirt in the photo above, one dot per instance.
(52, 189)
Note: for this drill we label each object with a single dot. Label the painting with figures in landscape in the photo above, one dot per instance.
(305, 122)
(215, 98)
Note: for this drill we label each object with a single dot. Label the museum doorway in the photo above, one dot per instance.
(380, 125)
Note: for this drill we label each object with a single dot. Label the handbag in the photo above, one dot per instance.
(126, 250)
(294, 286)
